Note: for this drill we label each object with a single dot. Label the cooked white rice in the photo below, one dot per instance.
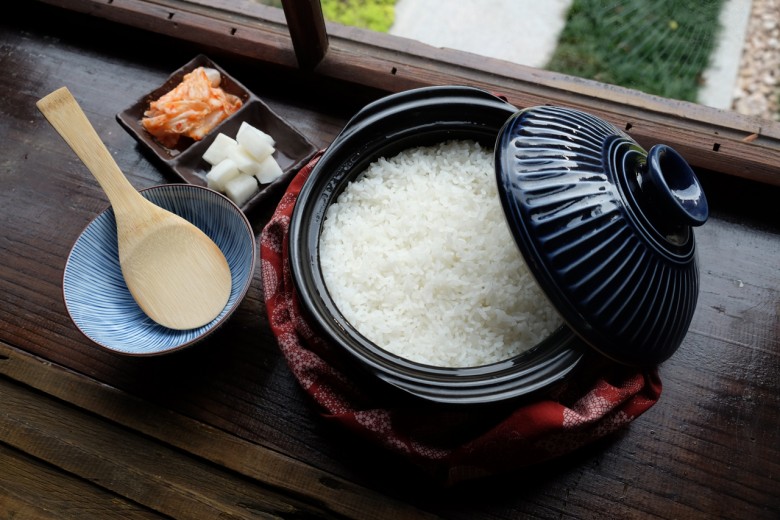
(417, 255)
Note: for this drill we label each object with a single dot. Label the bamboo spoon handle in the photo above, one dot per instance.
(64, 113)
(178, 276)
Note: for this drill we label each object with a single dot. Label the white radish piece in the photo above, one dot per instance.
(268, 171)
(249, 128)
(240, 165)
(241, 188)
(256, 142)
(215, 78)
(219, 149)
(221, 173)
(245, 161)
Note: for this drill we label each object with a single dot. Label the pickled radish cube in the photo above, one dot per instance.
(245, 161)
(219, 149)
(247, 128)
(241, 188)
(213, 75)
(256, 142)
(222, 172)
(268, 171)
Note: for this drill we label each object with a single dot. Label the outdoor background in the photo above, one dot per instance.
(679, 49)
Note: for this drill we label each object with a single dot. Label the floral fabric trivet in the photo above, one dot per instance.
(449, 443)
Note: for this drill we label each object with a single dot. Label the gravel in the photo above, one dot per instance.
(757, 92)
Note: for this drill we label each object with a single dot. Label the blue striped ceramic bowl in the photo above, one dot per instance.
(95, 293)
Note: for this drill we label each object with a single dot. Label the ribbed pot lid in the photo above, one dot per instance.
(605, 227)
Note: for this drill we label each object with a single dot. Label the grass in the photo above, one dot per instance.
(657, 46)
(377, 15)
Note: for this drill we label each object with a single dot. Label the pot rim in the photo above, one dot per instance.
(385, 127)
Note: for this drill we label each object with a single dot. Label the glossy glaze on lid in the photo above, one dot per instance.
(605, 229)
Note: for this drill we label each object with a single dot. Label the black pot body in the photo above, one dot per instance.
(414, 118)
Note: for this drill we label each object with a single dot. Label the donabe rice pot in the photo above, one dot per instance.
(417, 255)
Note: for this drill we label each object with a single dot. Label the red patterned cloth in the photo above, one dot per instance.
(449, 443)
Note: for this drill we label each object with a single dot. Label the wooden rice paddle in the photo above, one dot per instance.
(175, 272)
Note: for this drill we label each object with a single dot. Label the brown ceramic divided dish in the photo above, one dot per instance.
(293, 150)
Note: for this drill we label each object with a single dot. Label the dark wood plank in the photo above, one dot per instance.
(154, 457)
(32, 489)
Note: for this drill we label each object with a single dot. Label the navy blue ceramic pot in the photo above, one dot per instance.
(604, 227)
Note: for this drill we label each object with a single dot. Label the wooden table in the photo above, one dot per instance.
(222, 430)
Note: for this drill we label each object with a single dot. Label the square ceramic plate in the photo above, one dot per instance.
(293, 150)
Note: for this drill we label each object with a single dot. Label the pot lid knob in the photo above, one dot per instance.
(670, 183)
(605, 227)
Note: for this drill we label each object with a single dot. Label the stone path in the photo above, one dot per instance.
(719, 80)
(519, 31)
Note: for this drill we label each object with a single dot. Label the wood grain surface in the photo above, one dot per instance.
(222, 430)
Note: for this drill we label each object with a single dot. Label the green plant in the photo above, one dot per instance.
(377, 15)
(657, 46)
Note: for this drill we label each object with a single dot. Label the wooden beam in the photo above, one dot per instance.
(307, 30)
(710, 139)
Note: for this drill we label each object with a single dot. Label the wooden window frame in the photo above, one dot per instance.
(709, 138)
